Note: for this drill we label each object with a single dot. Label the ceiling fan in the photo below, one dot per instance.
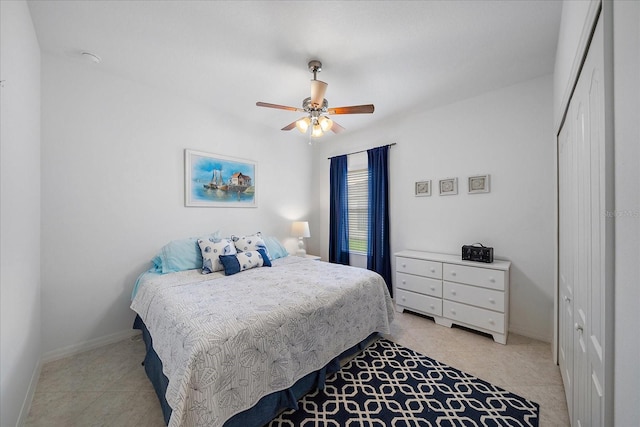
(317, 108)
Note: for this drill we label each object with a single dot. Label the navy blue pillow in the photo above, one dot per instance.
(244, 261)
(266, 262)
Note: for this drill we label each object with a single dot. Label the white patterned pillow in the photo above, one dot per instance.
(211, 249)
(250, 243)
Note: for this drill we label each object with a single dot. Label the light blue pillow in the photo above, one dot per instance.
(275, 248)
(244, 261)
(179, 255)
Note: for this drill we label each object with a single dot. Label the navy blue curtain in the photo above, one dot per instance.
(378, 247)
(338, 212)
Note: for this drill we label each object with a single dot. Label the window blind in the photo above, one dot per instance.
(357, 195)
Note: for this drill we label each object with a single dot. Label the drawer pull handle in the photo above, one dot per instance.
(491, 321)
(453, 273)
(492, 301)
(567, 299)
(404, 265)
(492, 280)
(579, 327)
(433, 307)
(453, 292)
(433, 288)
(404, 282)
(453, 311)
(433, 270)
(404, 299)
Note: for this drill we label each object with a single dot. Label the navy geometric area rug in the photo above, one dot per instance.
(391, 385)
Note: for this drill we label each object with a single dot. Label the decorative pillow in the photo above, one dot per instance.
(211, 249)
(244, 261)
(250, 243)
(179, 255)
(275, 248)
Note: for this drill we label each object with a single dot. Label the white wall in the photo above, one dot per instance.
(626, 37)
(19, 211)
(112, 191)
(506, 133)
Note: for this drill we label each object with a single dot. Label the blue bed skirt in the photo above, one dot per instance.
(268, 407)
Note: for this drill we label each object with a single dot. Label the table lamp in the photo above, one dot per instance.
(300, 229)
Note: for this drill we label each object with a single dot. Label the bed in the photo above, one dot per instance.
(235, 350)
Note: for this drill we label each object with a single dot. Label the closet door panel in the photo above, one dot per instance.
(565, 271)
(596, 309)
(581, 399)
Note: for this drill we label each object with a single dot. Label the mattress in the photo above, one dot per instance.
(227, 341)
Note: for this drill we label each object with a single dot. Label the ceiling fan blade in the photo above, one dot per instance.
(293, 124)
(318, 89)
(354, 109)
(336, 128)
(290, 126)
(280, 107)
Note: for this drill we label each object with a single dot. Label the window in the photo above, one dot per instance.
(358, 194)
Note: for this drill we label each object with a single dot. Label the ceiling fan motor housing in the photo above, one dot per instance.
(308, 107)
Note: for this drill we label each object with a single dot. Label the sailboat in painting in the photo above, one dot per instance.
(216, 181)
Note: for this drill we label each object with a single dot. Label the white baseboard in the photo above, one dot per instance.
(529, 334)
(74, 349)
(28, 398)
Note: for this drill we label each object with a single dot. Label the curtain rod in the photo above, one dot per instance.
(361, 151)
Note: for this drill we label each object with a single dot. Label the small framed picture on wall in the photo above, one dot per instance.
(448, 186)
(423, 188)
(478, 184)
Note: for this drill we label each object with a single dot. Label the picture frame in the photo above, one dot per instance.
(214, 180)
(422, 188)
(448, 186)
(478, 184)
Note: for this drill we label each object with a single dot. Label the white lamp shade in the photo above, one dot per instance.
(300, 229)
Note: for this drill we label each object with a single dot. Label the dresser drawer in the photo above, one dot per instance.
(478, 317)
(478, 276)
(421, 303)
(419, 267)
(419, 284)
(480, 297)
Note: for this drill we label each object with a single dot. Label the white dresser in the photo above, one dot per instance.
(467, 293)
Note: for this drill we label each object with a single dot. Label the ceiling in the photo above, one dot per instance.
(402, 56)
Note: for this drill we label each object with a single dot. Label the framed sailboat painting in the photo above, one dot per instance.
(212, 180)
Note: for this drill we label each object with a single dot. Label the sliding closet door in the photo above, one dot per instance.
(582, 242)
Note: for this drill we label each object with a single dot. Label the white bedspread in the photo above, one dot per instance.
(225, 342)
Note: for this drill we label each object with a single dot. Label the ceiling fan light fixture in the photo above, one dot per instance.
(303, 124)
(325, 123)
(316, 131)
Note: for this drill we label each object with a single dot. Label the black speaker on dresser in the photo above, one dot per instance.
(477, 252)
